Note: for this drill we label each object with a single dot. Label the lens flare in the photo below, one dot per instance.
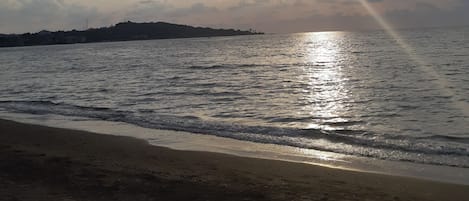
(439, 80)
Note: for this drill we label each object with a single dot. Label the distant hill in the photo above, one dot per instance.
(124, 31)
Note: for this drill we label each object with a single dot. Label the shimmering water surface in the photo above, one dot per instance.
(352, 93)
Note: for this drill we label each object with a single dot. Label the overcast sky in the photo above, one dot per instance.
(272, 16)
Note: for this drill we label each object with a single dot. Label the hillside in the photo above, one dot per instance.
(124, 31)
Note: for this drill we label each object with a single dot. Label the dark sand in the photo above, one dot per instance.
(40, 163)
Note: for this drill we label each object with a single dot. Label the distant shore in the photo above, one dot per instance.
(42, 163)
(124, 31)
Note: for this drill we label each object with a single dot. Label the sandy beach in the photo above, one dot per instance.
(41, 163)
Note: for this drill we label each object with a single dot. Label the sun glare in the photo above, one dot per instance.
(442, 83)
(324, 77)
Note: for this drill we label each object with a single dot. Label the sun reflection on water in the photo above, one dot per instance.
(325, 88)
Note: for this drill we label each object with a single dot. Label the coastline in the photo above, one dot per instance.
(123, 31)
(51, 163)
(185, 141)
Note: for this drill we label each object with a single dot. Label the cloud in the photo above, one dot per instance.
(263, 15)
(349, 15)
(427, 15)
(34, 15)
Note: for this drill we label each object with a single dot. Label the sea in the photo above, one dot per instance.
(364, 94)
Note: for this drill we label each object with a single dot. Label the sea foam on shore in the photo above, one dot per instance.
(198, 142)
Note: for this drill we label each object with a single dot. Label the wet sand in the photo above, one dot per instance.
(41, 163)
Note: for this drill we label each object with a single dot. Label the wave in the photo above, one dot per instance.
(237, 66)
(354, 142)
(447, 138)
(224, 66)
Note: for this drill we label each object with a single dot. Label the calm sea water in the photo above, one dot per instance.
(353, 93)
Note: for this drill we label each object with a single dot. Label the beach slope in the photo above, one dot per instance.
(41, 163)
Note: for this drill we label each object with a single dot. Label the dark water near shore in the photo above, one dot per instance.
(352, 93)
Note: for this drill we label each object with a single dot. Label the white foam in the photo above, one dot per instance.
(197, 142)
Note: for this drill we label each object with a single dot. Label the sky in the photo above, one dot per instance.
(270, 16)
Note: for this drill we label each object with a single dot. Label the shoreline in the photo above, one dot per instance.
(61, 163)
(184, 141)
(117, 32)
